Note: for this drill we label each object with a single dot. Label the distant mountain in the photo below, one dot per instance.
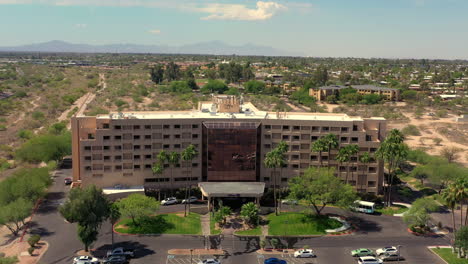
(212, 47)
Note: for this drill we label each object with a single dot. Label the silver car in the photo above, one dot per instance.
(391, 257)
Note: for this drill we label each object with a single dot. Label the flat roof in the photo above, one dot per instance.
(232, 189)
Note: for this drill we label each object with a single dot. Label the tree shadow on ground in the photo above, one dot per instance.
(364, 226)
(140, 250)
(35, 229)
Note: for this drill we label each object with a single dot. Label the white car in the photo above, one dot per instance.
(384, 250)
(289, 201)
(169, 201)
(85, 260)
(209, 261)
(369, 260)
(304, 253)
(192, 199)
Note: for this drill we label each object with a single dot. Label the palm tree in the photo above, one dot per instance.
(187, 155)
(365, 159)
(392, 151)
(173, 160)
(319, 146)
(114, 216)
(461, 195)
(273, 160)
(450, 199)
(158, 169)
(343, 156)
(352, 151)
(162, 158)
(331, 141)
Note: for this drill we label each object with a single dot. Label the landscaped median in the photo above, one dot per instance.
(174, 223)
(446, 254)
(256, 231)
(300, 224)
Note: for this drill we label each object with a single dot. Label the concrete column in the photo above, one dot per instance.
(209, 204)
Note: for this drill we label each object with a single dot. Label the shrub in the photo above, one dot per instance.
(37, 115)
(120, 103)
(30, 251)
(411, 130)
(33, 240)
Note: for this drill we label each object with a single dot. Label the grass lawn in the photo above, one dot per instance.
(290, 224)
(213, 229)
(394, 209)
(162, 224)
(447, 255)
(257, 231)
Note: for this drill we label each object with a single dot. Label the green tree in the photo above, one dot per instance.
(393, 152)
(88, 207)
(12, 215)
(461, 239)
(319, 187)
(419, 213)
(157, 73)
(137, 206)
(188, 154)
(57, 128)
(173, 159)
(214, 86)
(254, 87)
(249, 212)
(114, 216)
(172, 72)
(320, 76)
(371, 99)
(180, 87)
(331, 141)
(450, 199)
(45, 148)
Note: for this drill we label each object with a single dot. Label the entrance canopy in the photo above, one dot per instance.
(232, 189)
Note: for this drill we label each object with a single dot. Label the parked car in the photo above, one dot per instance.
(85, 260)
(391, 256)
(209, 261)
(120, 251)
(192, 199)
(115, 260)
(289, 201)
(384, 250)
(361, 252)
(304, 253)
(68, 181)
(169, 201)
(369, 260)
(274, 261)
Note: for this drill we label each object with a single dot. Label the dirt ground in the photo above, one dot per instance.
(20, 249)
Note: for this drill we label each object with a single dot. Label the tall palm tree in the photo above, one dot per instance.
(450, 199)
(343, 156)
(319, 146)
(392, 152)
(274, 160)
(353, 150)
(461, 195)
(365, 159)
(174, 158)
(162, 158)
(158, 169)
(331, 141)
(187, 155)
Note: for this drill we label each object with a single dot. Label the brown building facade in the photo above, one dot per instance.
(121, 148)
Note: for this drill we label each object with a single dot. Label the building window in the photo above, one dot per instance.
(177, 146)
(294, 147)
(166, 126)
(267, 136)
(105, 126)
(117, 147)
(147, 136)
(313, 158)
(166, 136)
(194, 135)
(118, 167)
(267, 127)
(90, 136)
(295, 166)
(295, 138)
(266, 179)
(372, 169)
(136, 127)
(106, 147)
(118, 137)
(343, 139)
(305, 146)
(166, 146)
(285, 127)
(368, 138)
(106, 158)
(87, 148)
(194, 165)
(355, 128)
(354, 139)
(136, 157)
(147, 146)
(267, 145)
(147, 126)
(296, 128)
(136, 147)
(118, 158)
(285, 137)
(87, 157)
(313, 138)
(177, 126)
(156, 127)
(136, 167)
(136, 137)
(294, 157)
(177, 136)
(148, 156)
(373, 149)
(118, 127)
(325, 129)
(88, 168)
(315, 129)
(371, 183)
(106, 137)
(344, 129)
(148, 166)
(194, 126)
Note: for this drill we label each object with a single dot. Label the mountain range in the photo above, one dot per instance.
(211, 48)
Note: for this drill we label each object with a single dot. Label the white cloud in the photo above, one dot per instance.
(214, 11)
(154, 31)
(263, 11)
(81, 25)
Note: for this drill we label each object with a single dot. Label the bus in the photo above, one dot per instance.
(364, 207)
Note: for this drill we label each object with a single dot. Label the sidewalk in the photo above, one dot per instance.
(205, 224)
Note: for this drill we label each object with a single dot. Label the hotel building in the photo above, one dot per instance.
(232, 139)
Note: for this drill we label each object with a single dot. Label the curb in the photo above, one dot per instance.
(424, 235)
(26, 226)
(432, 251)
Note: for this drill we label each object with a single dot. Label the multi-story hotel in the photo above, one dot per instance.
(231, 137)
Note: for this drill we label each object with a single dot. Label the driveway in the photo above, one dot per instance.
(374, 231)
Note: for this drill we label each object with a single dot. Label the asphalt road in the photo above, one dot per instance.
(374, 232)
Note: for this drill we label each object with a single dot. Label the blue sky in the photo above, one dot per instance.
(337, 28)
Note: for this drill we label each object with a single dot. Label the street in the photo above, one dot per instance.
(375, 231)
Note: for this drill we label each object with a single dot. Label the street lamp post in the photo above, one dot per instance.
(191, 254)
(399, 247)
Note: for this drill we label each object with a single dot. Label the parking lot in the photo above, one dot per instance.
(185, 259)
(290, 259)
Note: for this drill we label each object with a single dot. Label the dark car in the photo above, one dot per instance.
(115, 260)
(68, 181)
(274, 261)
